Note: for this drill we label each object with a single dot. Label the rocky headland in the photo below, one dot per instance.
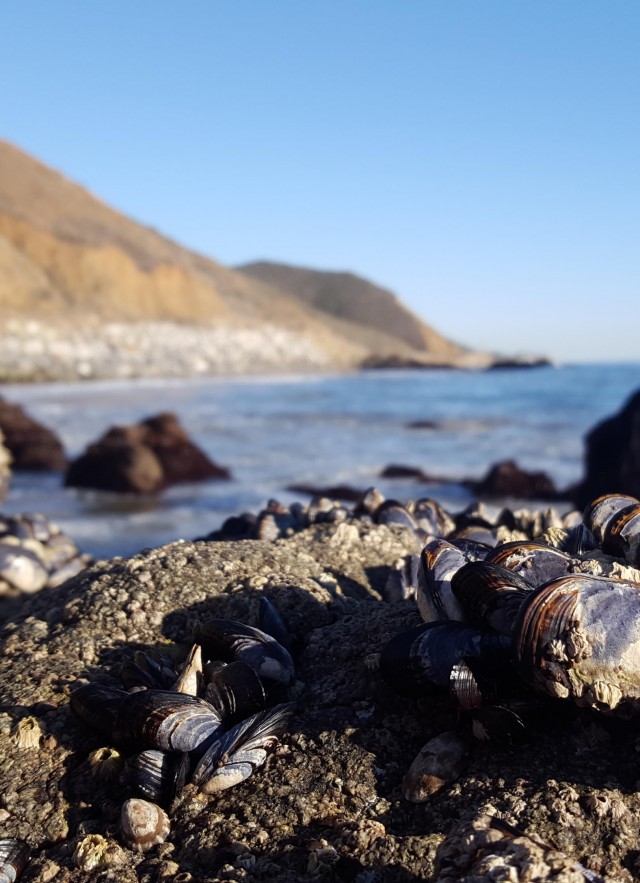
(86, 292)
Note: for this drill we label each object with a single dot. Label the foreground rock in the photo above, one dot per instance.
(32, 445)
(612, 461)
(145, 458)
(328, 802)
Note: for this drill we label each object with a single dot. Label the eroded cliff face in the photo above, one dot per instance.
(66, 257)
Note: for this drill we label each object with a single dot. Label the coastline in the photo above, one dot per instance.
(39, 352)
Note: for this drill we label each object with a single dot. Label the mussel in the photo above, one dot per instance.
(228, 640)
(14, 857)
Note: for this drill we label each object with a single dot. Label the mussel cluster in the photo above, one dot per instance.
(35, 554)
(519, 621)
(210, 722)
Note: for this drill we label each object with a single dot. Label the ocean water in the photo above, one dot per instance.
(277, 431)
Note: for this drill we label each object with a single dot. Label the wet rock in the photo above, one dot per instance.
(144, 458)
(32, 445)
(612, 460)
(507, 479)
(343, 492)
(397, 470)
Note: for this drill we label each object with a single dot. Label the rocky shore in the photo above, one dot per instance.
(33, 351)
(328, 802)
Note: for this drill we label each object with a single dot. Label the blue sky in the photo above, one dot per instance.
(481, 159)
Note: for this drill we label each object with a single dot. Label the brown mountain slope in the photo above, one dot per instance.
(67, 258)
(354, 299)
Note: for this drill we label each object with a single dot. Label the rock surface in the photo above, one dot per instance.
(32, 445)
(612, 461)
(144, 458)
(328, 802)
(507, 479)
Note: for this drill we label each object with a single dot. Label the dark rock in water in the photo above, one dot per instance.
(507, 479)
(422, 424)
(334, 491)
(612, 458)
(519, 363)
(32, 445)
(143, 458)
(397, 470)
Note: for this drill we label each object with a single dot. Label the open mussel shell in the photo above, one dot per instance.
(14, 857)
(578, 638)
(536, 562)
(235, 691)
(166, 720)
(424, 656)
(491, 595)
(241, 750)
(229, 640)
(98, 705)
(157, 775)
(439, 561)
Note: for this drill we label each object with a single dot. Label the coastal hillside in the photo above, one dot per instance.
(350, 297)
(85, 272)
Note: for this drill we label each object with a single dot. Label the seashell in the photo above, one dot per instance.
(235, 691)
(228, 640)
(189, 679)
(574, 540)
(94, 851)
(166, 720)
(271, 622)
(370, 501)
(97, 705)
(491, 595)
(424, 656)
(143, 824)
(21, 568)
(621, 536)
(155, 671)
(438, 764)
(105, 764)
(534, 561)
(578, 638)
(241, 750)
(495, 723)
(471, 549)
(14, 857)
(26, 732)
(474, 532)
(599, 513)
(392, 512)
(432, 518)
(439, 561)
(157, 775)
(402, 581)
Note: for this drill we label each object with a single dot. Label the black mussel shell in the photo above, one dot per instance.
(536, 562)
(241, 750)
(599, 513)
(491, 595)
(157, 775)
(475, 532)
(402, 580)
(473, 550)
(14, 857)
(235, 691)
(439, 561)
(392, 512)
(424, 656)
(271, 622)
(229, 640)
(622, 535)
(432, 518)
(155, 671)
(97, 705)
(166, 720)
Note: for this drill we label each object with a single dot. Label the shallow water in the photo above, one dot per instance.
(277, 431)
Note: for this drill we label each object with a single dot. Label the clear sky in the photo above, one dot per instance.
(481, 158)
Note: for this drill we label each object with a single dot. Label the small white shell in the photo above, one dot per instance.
(143, 824)
(438, 763)
(190, 677)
